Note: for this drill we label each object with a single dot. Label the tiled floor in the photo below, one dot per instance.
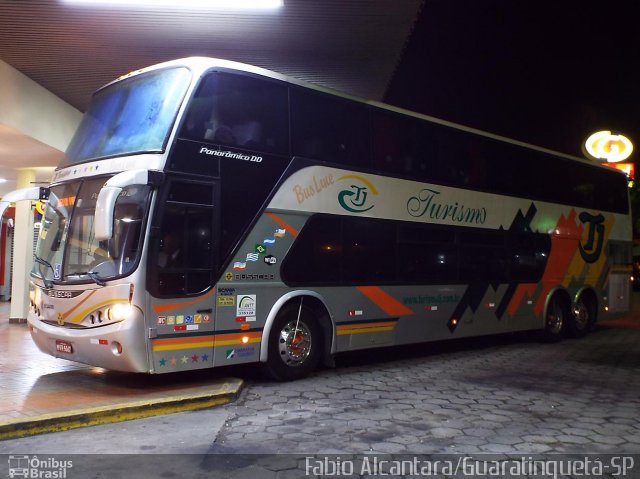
(33, 384)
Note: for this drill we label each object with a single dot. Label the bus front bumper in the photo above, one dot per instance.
(119, 346)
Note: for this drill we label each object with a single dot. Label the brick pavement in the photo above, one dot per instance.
(496, 395)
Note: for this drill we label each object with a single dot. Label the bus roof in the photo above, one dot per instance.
(200, 65)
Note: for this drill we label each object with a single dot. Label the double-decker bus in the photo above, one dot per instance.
(210, 213)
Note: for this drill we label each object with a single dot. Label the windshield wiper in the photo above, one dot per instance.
(92, 274)
(47, 282)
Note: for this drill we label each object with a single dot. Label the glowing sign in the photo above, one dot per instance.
(604, 145)
(628, 168)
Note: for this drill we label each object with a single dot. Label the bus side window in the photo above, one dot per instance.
(239, 111)
(328, 128)
(369, 255)
(183, 258)
(427, 254)
(482, 255)
(528, 256)
(316, 255)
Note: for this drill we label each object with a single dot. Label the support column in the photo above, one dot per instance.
(22, 252)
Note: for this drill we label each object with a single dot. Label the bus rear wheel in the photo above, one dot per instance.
(583, 317)
(556, 318)
(295, 344)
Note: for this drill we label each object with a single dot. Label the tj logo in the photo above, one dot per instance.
(355, 198)
(590, 252)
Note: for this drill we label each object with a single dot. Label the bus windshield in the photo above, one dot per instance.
(67, 250)
(134, 115)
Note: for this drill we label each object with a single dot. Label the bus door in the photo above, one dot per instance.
(182, 261)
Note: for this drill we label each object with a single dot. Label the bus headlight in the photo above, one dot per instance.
(112, 313)
(119, 312)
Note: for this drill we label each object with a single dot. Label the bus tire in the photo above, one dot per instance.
(556, 317)
(583, 316)
(295, 344)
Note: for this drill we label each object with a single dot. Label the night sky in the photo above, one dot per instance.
(547, 73)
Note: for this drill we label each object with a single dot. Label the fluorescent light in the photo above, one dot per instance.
(193, 4)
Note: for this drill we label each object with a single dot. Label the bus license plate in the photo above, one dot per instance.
(63, 347)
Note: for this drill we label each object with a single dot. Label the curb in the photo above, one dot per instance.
(224, 393)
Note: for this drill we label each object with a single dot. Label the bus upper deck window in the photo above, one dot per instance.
(239, 111)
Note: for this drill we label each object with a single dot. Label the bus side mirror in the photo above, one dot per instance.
(108, 195)
(105, 206)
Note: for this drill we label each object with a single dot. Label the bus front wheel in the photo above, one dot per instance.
(295, 344)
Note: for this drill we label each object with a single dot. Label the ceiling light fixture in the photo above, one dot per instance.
(191, 4)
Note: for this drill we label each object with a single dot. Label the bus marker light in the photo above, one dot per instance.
(245, 339)
(454, 322)
(103, 342)
(431, 308)
(245, 327)
(241, 319)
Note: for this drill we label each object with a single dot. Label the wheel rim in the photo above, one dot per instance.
(294, 343)
(581, 315)
(555, 319)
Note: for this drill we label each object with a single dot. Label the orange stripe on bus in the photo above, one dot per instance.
(197, 339)
(193, 339)
(365, 325)
(292, 231)
(238, 335)
(385, 301)
(163, 308)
